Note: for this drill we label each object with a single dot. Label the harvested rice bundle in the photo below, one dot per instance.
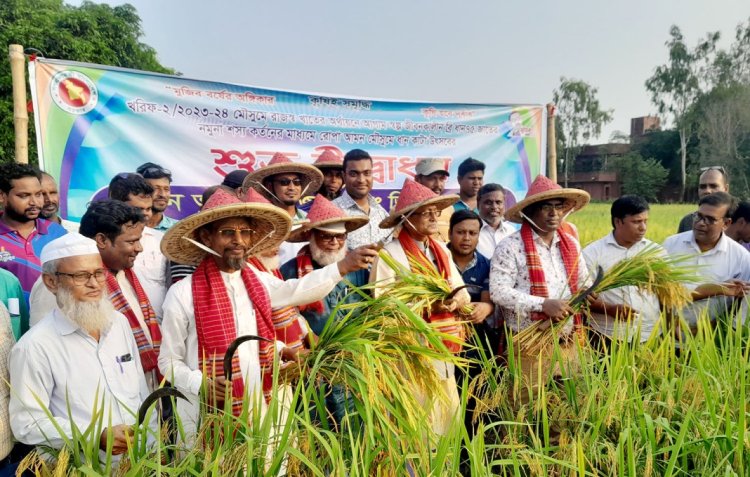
(650, 270)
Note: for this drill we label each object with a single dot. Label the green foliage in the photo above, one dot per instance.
(94, 33)
(640, 176)
(579, 116)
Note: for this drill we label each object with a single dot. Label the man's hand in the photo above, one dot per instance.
(557, 310)
(293, 355)
(216, 389)
(480, 311)
(736, 288)
(121, 435)
(358, 259)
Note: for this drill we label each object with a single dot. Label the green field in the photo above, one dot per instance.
(593, 221)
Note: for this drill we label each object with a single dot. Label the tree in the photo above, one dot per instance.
(580, 117)
(89, 33)
(676, 85)
(644, 177)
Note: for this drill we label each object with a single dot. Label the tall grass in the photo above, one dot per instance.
(639, 410)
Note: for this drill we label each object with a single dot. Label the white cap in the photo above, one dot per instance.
(69, 245)
(430, 165)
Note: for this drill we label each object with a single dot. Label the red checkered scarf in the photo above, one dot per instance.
(149, 351)
(285, 320)
(569, 253)
(214, 324)
(305, 266)
(446, 322)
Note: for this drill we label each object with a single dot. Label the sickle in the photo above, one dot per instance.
(232, 348)
(599, 277)
(456, 290)
(155, 396)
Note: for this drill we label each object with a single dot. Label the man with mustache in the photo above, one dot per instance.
(225, 298)
(491, 203)
(284, 182)
(116, 228)
(23, 233)
(51, 208)
(332, 167)
(631, 310)
(535, 270)
(79, 359)
(470, 180)
(432, 173)
(416, 217)
(160, 180)
(724, 263)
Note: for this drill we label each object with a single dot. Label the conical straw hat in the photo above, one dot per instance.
(413, 196)
(310, 176)
(271, 225)
(323, 212)
(545, 189)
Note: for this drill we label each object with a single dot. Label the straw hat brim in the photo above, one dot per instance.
(311, 179)
(575, 200)
(441, 202)
(302, 234)
(271, 228)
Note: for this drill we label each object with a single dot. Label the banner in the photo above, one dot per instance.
(93, 122)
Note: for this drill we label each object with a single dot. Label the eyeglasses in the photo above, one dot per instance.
(155, 172)
(79, 278)
(547, 208)
(228, 234)
(286, 182)
(706, 219)
(325, 237)
(429, 214)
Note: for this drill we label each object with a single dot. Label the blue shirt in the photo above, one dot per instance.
(461, 205)
(341, 291)
(477, 273)
(165, 224)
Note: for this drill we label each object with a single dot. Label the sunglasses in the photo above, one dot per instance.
(714, 168)
(156, 173)
(286, 182)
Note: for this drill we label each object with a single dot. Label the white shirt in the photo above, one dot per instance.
(289, 250)
(489, 237)
(606, 252)
(7, 340)
(510, 286)
(64, 366)
(41, 302)
(178, 356)
(71, 227)
(727, 260)
(151, 269)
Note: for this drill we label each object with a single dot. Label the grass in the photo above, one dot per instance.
(593, 221)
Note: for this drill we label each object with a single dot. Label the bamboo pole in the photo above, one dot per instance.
(20, 115)
(551, 143)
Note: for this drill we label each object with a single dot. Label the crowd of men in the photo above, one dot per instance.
(108, 310)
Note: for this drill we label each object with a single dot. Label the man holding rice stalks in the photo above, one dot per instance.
(533, 273)
(723, 262)
(416, 220)
(632, 310)
(225, 299)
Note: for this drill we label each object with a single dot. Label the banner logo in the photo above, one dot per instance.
(73, 92)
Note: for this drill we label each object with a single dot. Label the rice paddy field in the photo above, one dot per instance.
(593, 221)
(634, 410)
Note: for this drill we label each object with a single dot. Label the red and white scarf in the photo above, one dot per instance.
(569, 253)
(304, 267)
(446, 322)
(149, 351)
(285, 320)
(214, 324)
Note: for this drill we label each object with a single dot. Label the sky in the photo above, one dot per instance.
(474, 51)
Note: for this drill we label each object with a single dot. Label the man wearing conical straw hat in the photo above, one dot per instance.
(416, 217)
(284, 182)
(326, 233)
(332, 167)
(536, 269)
(225, 299)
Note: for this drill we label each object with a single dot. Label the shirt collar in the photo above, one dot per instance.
(64, 325)
(42, 226)
(721, 246)
(348, 202)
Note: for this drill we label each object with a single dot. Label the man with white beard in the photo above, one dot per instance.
(326, 234)
(47, 365)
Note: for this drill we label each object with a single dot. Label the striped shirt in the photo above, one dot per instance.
(20, 256)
